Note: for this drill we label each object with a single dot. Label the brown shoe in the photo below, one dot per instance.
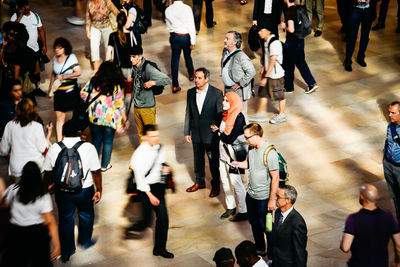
(191, 78)
(214, 192)
(176, 89)
(195, 187)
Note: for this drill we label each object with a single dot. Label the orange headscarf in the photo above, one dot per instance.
(229, 116)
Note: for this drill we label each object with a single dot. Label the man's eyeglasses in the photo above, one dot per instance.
(248, 137)
(280, 197)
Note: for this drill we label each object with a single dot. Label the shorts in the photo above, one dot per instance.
(275, 89)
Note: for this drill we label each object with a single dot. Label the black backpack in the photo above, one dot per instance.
(157, 89)
(284, 52)
(302, 25)
(141, 23)
(68, 169)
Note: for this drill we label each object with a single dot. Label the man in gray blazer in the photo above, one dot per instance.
(203, 109)
(237, 69)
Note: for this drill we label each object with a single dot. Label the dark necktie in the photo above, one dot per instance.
(280, 219)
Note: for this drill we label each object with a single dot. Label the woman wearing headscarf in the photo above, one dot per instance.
(231, 132)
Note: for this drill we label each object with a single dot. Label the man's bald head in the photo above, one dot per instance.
(369, 193)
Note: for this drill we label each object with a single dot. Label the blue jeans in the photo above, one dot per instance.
(67, 204)
(296, 57)
(358, 16)
(257, 212)
(179, 43)
(103, 135)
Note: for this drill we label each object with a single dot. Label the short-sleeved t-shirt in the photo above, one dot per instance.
(372, 231)
(32, 22)
(260, 178)
(87, 152)
(58, 67)
(291, 14)
(275, 49)
(26, 214)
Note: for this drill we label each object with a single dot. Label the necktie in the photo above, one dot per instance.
(280, 219)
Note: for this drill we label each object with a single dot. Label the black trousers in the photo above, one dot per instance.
(148, 9)
(27, 246)
(197, 10)
(212, 151)
(162, 221)
(344, 9)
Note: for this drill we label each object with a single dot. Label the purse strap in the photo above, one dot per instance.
(88, 103)
(61, 72)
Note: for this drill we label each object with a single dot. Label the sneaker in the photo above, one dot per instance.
(361, 62)
(76, 21)
(258, 118)
(311, 88)
(278, 118)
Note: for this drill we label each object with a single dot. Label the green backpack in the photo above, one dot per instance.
(283, 169)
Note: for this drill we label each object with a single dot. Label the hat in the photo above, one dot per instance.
(223, 254)
(135, 50)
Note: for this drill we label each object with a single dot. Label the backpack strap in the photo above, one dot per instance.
(61, 144)
(229, 57)
(78, 144)
(266, 152)
(394, 133)
(273, 39)
(37, 17)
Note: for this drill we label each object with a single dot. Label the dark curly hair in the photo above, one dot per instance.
(64, 43)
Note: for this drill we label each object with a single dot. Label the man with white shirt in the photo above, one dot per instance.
(272, 84)
(289, 231)
(147, 164)
(203, 108)
(180, 24)
(83, 202)
(267, 14)
(237, 69)
(246, 255)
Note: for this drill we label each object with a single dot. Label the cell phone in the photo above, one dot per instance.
(231, 165)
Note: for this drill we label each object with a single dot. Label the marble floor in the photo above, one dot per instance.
(332, 141)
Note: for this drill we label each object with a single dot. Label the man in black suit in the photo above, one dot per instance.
(289, 231)
(203, 108)
(267, 14)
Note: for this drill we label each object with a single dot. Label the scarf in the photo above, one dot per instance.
(229, 116)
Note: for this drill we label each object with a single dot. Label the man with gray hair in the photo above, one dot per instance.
(367, 232)
(289, 231)
(237, 69)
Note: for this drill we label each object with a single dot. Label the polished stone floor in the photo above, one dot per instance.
(332, 141)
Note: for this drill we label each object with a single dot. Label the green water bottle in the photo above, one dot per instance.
(268, 226)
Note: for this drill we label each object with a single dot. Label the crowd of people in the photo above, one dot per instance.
(216, 123)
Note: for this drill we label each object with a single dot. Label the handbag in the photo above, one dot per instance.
(27, 85)
(80, 113)
(238, 150)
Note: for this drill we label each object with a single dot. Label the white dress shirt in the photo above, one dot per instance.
(268, 7)
(200, 98)
(142, 161)
(286, 213)
(225, 70)
(179, 19)
(260, 263)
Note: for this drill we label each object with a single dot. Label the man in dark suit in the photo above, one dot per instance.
(289, 231)
(267, 14)
(203, 108)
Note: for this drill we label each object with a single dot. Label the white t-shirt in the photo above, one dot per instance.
(29, 214)
(58, 67)
(275, 50)
(87, 152)
(24, 144)
(32, 23)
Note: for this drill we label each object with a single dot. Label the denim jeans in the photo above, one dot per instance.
(67, 204)
(179, 43)
(296, 57)
(358, 16)
(257, 212)
(103, 135)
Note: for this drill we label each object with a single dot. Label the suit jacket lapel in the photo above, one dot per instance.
(208, 97)
(286, 220)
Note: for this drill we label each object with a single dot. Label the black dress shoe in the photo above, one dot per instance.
(361, 62)
(378, 26)
(137, 227)
(65, 257)
(228, 213)
(212, 25)
(239, 217)
(317, 33)
(348, 67)
(214, 192)
(163, 253)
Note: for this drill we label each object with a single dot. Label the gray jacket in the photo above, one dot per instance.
(241, 71)
(144, 98)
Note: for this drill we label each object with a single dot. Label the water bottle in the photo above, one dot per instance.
(268, 226)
